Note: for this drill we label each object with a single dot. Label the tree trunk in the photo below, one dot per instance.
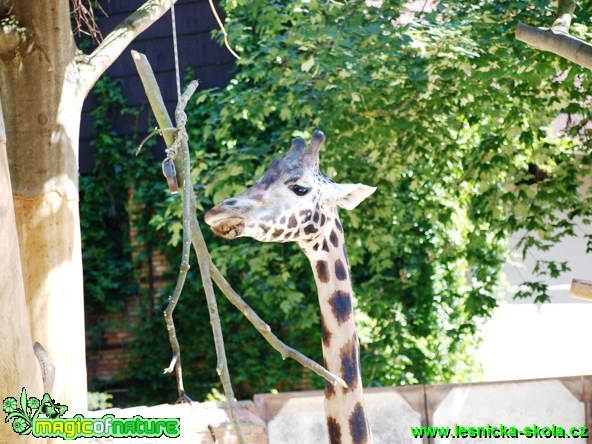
(42, 107)
(18, 366)
(43, 82)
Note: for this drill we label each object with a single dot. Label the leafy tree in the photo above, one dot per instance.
(449, 116)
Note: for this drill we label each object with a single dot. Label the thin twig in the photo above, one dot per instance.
(156, 131)
(85, 17)
(168, 314)
(224, 33)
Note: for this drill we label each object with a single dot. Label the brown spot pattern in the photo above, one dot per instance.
(338, 225)
(325, 246)
(340, 271)
(292, 222)
(358, 427)
(326, 334)
(333, 238)
(350, 364)
(307, 215)
(340, 302)
(265, 228)
(334, 430)
(309, 229)
(323, 219)
(277, 233)
(323, 272)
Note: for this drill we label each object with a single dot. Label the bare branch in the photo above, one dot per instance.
(207, 269)
(118, 39)
(557, 39)
(84, 18)
(190, 221)
(581, 289)
(564, 45)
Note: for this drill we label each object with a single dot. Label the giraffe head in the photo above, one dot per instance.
(292, 202)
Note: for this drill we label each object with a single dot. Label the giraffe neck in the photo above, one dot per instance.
(344, 408)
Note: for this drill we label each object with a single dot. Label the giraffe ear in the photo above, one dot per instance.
(350, 195)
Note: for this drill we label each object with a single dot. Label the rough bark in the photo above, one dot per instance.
(43, 82)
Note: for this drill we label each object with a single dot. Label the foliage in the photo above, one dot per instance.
(99, 401)
(448, 115)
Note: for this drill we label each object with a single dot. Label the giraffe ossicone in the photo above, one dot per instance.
(295, 202)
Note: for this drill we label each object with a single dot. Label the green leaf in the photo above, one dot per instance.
(308, 64)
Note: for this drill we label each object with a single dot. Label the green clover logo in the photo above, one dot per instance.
(33, 403)
(19, 425)
(24, 412)
(9, 405)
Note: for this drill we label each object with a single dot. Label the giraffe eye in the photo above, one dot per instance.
(299, 190)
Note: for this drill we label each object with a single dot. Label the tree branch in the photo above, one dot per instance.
(115, 43)
(581, 289)
(557, 39)
(565, 10)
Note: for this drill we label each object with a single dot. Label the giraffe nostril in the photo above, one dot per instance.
(229, 202)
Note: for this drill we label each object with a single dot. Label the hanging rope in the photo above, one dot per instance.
(175, 49)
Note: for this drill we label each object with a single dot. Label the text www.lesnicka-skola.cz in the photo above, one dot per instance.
(500, 431)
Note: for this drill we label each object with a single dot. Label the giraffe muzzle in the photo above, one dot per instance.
(228, 228)
(223, 224)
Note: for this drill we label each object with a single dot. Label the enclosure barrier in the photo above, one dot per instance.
(298, 418)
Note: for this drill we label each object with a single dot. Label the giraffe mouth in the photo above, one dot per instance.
(228, 227)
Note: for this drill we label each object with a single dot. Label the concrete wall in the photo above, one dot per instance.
(298, 418)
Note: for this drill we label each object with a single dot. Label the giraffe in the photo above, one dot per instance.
(295, 202)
